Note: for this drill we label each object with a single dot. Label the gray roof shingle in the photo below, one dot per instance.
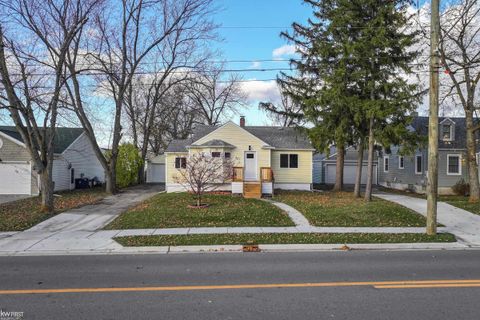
(64, 137)
(276, 137)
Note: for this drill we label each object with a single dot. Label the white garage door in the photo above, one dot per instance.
(349, 173)
(155, 172)
(15, 178)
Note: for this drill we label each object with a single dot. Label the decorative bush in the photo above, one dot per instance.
(461, 188)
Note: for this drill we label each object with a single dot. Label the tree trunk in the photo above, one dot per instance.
(371, 142)
(339, 172)
(141, 174)
(358, 177)
(111, 178)
(471, 159)
(46, 189)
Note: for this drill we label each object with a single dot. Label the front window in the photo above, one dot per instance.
(418, 164)
(180, 162)
(289, 160)
(454, 164)
(216, 154)
(447, 132)
(386, 164)
(227, 155)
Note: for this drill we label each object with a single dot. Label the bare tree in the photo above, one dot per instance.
(214, 96)
(202, 173)
(125, 41)
(33, 50)
(287, 113)
(460, 56)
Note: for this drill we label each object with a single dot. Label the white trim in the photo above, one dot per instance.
(416, 163)
(334, 154)
(292, 149)
(478, 158)
(12, 139)
(386, 158)
(400, 162)
(266, 144)
(459, 156)
(293, 186)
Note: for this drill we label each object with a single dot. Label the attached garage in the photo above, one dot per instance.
(16, 178)
(349, 173)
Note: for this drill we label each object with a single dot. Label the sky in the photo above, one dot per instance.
(250, 30)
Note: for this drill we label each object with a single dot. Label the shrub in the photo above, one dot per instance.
(461, 188)
(128, 164)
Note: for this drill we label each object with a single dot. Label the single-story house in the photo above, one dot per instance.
(266, 158)
(410, 172)
(74, 158)
(155, 169)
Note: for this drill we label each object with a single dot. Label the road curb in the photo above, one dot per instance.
(263, 248)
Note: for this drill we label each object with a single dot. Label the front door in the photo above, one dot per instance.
(250, 165)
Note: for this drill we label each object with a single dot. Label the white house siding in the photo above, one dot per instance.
(81, 156)
(61, 175)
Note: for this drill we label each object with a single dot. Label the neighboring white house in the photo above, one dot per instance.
(155, 169)
(74, 158)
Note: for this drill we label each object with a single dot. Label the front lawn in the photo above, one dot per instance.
(25, 213)
(279, 238)
(170, 210)
(341, 209)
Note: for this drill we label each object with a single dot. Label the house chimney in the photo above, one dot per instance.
(242, 121)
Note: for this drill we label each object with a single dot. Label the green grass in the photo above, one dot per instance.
(279, 238)
(341, 209)
(169, 210)
(25, 213)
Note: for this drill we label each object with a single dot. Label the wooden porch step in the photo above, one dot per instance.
(252, 190)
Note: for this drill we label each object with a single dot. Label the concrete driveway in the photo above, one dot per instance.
(4, 198)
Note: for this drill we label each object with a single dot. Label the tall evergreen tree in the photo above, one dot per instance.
(354, 56)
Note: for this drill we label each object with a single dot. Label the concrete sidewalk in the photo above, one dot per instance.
(463, 224)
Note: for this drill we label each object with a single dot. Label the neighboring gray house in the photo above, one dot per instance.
(410, 172)
(74, 158)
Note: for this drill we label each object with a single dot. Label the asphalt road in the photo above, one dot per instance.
(325, 286)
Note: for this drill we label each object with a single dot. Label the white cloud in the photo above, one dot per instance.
(256, 64)
(264, 91)
(285, 50)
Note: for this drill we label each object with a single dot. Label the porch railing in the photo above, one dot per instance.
(237, 175)
(266, 174)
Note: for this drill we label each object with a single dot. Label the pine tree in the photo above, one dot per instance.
(351, 84)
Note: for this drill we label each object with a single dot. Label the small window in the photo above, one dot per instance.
(418, 164)
(401, 162)
(72, 175)
(294, 161)
(216, 154)
(289, 160)
(284, 161)
(447, 132)
(227, 155)
(180, 162)
(453, 164)
(250, 156)
(386, 164)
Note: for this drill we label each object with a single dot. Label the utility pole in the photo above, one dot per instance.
(432, 177)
